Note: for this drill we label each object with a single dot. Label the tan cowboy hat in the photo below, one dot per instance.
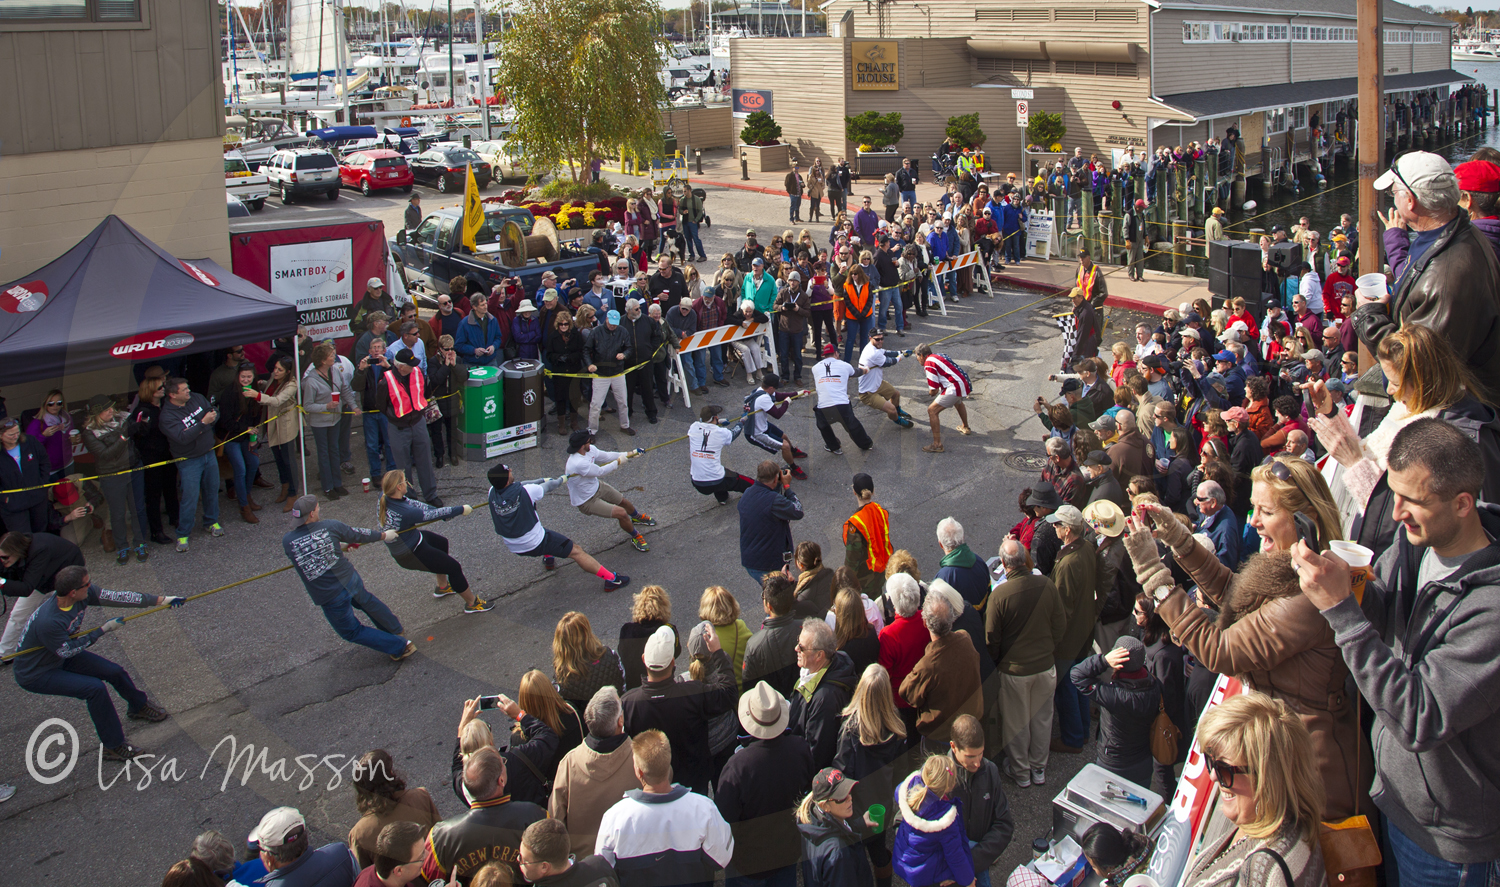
(764, 712)
(1105, 517)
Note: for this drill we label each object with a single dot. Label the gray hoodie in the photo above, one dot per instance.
(1434, 683)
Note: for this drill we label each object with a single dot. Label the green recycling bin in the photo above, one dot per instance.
(523, 391)
(483, 411)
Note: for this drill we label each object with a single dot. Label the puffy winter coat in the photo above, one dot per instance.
(819, 719)
(832, 855)
(931, 845)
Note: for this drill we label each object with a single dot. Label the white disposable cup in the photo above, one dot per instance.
(1370, 280)
(1351, 553)
(1370, 292)
(365, 481)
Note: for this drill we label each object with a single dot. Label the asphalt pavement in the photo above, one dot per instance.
(269, 706)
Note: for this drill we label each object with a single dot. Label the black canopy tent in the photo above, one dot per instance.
(116, 298)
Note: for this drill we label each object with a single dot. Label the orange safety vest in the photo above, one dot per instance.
(401, 403)
(857, 301)
(873, 523)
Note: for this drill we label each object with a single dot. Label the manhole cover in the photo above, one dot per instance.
(1025, 462)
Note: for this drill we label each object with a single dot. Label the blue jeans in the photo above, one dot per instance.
(1075, 208)
(84, 677)
(1015, 245)
(782, 877)
(1072, 707)
(889, 296)
(1407, 865)
(757, 575)
(378, 441)
(695, 369)
(796, 206)
(245, 463)
(690, 237)
(856, 334)
(716, 361)
(285, 466)
(200, 476)
(326, 441)
(339, 612)
(909, 197)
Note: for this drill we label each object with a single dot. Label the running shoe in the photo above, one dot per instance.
(798, 454)
(410, 649)
(620, 581)
(141, 553)
(182, 543)
(443, 592)
(123, 557)
(837, 451)
(122, 752)
(549, 562)
(480, 606)
(148, 712)
(215, 530)
(644, 519)
(798, 473)
(639, 542)
(902, 421)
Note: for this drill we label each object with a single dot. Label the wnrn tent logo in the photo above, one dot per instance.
(144, 346)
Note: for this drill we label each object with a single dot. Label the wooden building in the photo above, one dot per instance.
(111, 106)
(1132, 74)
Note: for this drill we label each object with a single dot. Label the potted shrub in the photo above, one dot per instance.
(875, 136)
(763, 148)
(964, 131)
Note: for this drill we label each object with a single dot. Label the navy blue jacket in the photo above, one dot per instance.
(765, 526)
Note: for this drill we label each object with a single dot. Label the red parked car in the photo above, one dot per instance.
(375, 169)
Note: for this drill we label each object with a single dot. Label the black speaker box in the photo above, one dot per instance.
(1218, 281)
(1244, 260)
(1285, 256)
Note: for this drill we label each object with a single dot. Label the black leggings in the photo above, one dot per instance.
(432, 553)
(720, 489)
(822, 317)
(161, 487)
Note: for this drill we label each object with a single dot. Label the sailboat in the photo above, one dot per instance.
(317, 57)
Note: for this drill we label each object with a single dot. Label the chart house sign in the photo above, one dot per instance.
(875, 65)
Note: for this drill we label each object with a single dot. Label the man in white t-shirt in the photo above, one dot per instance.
(1144, 344)
(707, 439)
(590, 495)
(832, 376)
(761, 406)
(874, 390)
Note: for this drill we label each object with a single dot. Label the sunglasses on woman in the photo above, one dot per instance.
(1223, 773)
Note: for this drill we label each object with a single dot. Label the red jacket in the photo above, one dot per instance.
(902, 644)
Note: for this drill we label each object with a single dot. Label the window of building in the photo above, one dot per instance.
(1297, 117)
(1197, 32)
(81, 11)
(1276, 121)
(1299, 32)
(1397, 36)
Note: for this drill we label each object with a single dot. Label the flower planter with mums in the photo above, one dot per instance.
(570, 215)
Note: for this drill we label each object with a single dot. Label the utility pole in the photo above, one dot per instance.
(1371, 139)
(484, 71)
(452, 89)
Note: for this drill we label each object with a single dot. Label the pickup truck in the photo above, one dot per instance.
(432, 255)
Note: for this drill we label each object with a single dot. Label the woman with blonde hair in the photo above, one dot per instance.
(722, 611)
(1424, 377)
(539, 698)
(852, 629)
(871, 742)
(890, 196)
(650, 609)
(536, 744)
(581, 663)
(1267, 632)
(1260, 755)
(423, 550)
(53, 428)
(932, 847)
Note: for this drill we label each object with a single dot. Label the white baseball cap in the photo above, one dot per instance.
(375, 283)
(1416, 169)
(661, 648)
(279, 827)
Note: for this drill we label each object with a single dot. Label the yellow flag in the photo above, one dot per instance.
(473, 212)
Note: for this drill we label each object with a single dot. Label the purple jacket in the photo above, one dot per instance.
(58, 446)
(1398, 242)
(527, 334)
(865, 223)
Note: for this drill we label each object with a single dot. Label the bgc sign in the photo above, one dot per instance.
(748, 101)
(874, 65)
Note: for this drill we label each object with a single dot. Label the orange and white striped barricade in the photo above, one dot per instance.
(973, 259)
(719, 335)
